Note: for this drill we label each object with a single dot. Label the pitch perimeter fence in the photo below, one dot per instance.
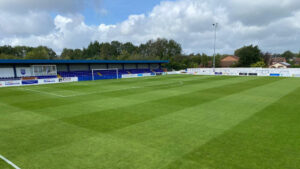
(290, 72)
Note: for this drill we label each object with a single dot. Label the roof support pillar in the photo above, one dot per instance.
(15, 71)
(68, 67)
(89, 65)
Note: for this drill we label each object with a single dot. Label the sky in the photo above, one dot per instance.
(272, 25)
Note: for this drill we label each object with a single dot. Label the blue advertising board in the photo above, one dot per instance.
(29, 82)
(275, 74)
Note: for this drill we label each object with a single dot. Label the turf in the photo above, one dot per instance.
(167, 122)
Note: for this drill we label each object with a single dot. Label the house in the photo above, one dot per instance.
(297, 61)
(282, 65)
(277, 60)
(229, 61)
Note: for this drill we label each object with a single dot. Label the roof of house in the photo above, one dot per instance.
(283, 63)
(278, 59)
(229, 61)
(231, 58)
(9, 61)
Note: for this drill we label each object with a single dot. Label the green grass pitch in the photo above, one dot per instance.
(167, 122)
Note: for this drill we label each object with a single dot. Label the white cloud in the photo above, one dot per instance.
(32, 23)
(272, 25)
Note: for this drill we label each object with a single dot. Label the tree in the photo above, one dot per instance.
(17, 52)
(92, 51)
(259, 64)
(5, 56)
(107, 52)
(248, 55)
(288, 55)
(51, 53)
(66, 54)
(38, 53)
(266, 57)
(204, 60)
(161, 49)
(116, 48)
(218, 60)
(129, 48)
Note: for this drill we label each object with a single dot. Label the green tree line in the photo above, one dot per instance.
(159, 49)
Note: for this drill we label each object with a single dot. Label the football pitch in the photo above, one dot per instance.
(163, 122)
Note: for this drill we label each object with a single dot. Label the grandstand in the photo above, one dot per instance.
(83, 69)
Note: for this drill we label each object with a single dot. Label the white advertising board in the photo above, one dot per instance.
(147, 74)
(137, 75)
(48, 81)
(68, 79)
(12, 83)
(290, 72)
(173, 73)
(129, 76)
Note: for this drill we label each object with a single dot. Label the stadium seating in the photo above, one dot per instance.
(104, 74)
(87, 75)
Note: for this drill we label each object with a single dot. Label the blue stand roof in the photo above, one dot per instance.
(11, 61)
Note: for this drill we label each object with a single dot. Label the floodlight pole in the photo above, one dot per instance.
(215, 25)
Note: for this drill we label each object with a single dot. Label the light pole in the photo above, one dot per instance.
(215, 25)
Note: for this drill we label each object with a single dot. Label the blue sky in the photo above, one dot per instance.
(118, 10)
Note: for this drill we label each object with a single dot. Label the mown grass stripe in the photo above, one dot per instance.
(106, 121)
(43, 102)
(151, 142)
(130, 153)
(267, 139)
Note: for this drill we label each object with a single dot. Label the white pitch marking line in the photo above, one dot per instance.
(135, 87)
(9, 162)
(43, 92)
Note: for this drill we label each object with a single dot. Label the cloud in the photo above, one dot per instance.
(20, 18)
(261, 12)
(272, 25)
(20, 25)
(62, 6)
